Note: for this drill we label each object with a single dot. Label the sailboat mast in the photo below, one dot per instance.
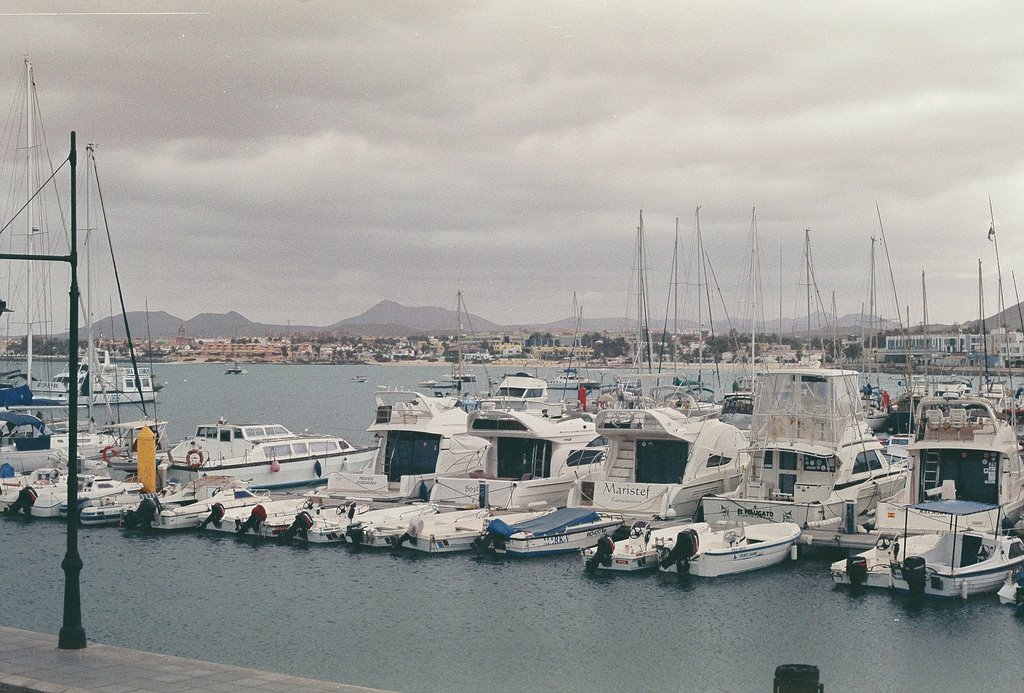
(91, 368)
(30, 182)
(700, 317)
(984, 332)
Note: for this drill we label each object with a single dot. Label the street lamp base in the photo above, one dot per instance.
(71, 638)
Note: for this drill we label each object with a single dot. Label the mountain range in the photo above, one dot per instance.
(388, 318)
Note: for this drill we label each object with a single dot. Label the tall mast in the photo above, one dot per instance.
(872, 333)
(700, 317)
(924, 324)
(984, 333)
(31, 188)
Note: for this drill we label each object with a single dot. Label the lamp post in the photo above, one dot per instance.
(72, 634)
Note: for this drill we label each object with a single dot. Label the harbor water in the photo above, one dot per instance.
(407, 622)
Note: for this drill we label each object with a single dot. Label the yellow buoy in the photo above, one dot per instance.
(146, 455)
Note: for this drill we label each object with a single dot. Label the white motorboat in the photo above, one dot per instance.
(265, 519)
(704, 551)
(263, 455)
(961, 451)
(421, 438)
(457, 530)
(235, 370)
(384, 527)
(18, 493)
(661, 462)
(957, 563)
(27, 443)
(110, 384)
(565, 530)
(189, 505)
(872, 568)
(640, 550)
(51, 499)
(811, 453)
(530, 460)
(322, 524)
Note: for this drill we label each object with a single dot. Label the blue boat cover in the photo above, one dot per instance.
(6, 471)
(15, 396)
(545, 525)
(21, 420)
(954, 507)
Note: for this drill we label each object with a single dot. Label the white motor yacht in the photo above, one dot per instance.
(811, 453)
(263, 455)
(661, 462)
(421, 438)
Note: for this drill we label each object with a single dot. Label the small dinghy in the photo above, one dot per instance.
(641, 550)
(562, 531)
(702, 551)
(871, 568)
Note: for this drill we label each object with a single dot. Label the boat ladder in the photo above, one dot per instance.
(930, 476)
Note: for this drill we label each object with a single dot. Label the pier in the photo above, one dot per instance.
(30, 661)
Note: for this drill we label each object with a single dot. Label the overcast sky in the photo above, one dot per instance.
(300, 161)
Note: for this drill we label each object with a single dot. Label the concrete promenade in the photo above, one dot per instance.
(30, 661)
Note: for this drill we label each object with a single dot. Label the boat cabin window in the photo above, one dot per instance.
(300, 449)
(129, 383)
(865, 461)
(225, 435)
(238, 434)
(253, 433)
(207, 432)
(1016, 549)
(787, 459)
(320, 447)
(498, 425)
(145, 384)
(277, 431)
(769, 459)
(718, 460)
(598, 442)
(279, 451)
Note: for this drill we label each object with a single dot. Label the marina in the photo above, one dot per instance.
(169, 591)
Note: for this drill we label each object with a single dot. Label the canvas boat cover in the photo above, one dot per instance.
(954, 507)
(21, 420)
(557, 522)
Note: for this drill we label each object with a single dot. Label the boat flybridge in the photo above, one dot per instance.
(109, 384)
(811, 453)
(962, 451)
(264, 455)
(531, 459)
(421, 437)
(661, 462)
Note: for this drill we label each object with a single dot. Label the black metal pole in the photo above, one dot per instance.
(72, 634)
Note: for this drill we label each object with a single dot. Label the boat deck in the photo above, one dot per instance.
(31, 661)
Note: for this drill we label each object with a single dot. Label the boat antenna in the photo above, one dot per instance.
(117, 280)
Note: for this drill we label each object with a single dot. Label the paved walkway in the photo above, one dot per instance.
(31, 662)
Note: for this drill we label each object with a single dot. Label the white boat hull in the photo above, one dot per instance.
(577, 538)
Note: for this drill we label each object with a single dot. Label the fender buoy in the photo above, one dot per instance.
(195, 458)
(110, 453)
(275, 466)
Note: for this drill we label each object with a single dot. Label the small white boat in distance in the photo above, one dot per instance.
(235, 370)
(566, 530)
(706, 552)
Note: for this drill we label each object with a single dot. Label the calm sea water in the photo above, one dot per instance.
(415, 623)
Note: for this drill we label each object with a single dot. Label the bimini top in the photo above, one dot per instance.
(22, 420)
(954, 507)
(545, 525)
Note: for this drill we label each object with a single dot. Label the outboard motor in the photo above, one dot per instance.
(687, 544)
(397, 541)
(257, 516)
(143, 515)
(602, 554)
(355, 533)
(857, 570)
(915, 573)
(482, 543)
(216, 515)
(299, 526)
(24, 502)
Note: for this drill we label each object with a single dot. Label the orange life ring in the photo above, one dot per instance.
(195, 458)
(110, 453)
